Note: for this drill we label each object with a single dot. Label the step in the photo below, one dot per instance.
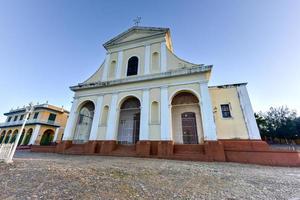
(188, 149)
(75, 149)
(192, 157)
(123, 149)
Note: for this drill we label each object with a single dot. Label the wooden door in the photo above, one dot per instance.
(189, 128)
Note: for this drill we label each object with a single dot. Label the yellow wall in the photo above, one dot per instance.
(228, 128)
(61, 120)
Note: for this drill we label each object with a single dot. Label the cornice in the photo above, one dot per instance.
(141, 78)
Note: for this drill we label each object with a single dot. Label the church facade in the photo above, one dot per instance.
(146, 101)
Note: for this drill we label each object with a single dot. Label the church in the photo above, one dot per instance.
(146, 101)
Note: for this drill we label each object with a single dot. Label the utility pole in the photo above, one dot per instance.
(28, 110)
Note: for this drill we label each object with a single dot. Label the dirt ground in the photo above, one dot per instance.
(55, 176)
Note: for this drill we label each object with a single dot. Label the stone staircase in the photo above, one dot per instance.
(193, 152)
(124, 150)
(24, 148)
(75, 149)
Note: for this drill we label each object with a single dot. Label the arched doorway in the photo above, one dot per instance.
(22, 137)
(84, 123)
(186, 118)
(47, 137)
(27, 137)
(2, 136)
(129, 121)
(14, 136)
(7, 138)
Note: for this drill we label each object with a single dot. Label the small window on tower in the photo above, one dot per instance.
(16, 117)
(21, 117)
(35, 116)
(8, 120)
(225, 111)
(52, 117)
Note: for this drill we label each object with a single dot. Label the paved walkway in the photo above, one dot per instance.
(54, 176)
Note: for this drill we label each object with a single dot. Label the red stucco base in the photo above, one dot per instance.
(241, 151)
(43, 149)
(259, 152)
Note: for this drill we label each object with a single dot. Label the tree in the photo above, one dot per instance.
(262, 124)
(279, 122)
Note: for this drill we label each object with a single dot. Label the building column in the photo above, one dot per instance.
(106, 66)
(248, 113)
(165, 115)
(208, 123)
(147, 60)
(112, 119)
(96, 118)
(55, 134)
(144, 125)
(119, 65)
(68, 133)
(35, 134)
(163, 57)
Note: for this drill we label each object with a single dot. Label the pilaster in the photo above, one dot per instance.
(55, 134)
(35, 134)
(106, 66)
(69, 130)
(248, 113)
(144, 129)
(208, 123)
(96, 118)
(119, 65)
(112, 121)
(147, 59)
(163, 57)
(165, 128)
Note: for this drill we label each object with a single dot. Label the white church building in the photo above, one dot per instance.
(146, 101)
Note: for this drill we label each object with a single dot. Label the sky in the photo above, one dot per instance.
(47, 46)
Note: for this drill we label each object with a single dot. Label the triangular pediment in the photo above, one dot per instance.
(134, 34)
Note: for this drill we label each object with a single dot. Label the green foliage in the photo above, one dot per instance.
(279, 122)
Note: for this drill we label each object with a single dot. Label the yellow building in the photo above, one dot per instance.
(45, 125)
(146, 97)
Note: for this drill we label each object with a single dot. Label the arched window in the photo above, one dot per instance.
(22, 137)
(155, 62)
(28, 136)
(14, 136)
(129, 121)
(84, 123)
(112, 69)
(132, 66)
(7, 138)
(104, 116)
(154, 112)
(47, 137)
(2, 136)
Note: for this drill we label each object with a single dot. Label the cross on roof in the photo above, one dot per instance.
(137, 21)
